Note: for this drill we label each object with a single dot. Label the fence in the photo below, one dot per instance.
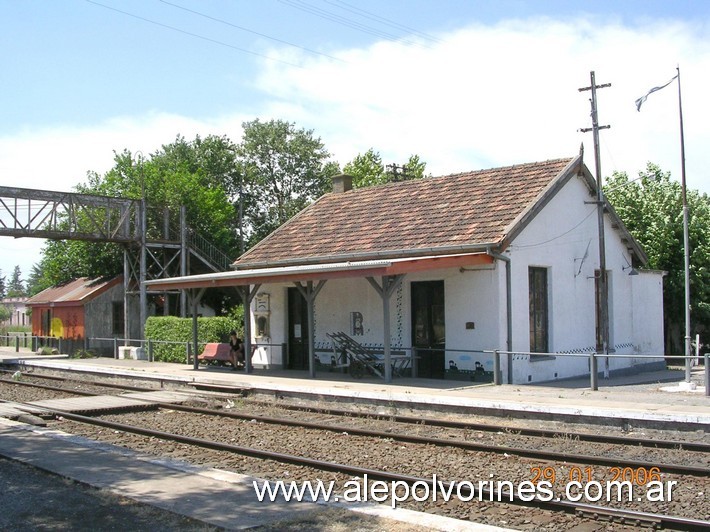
(111, 347)
(147, 347)
(593, 363)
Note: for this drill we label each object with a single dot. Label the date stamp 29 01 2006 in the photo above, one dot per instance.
(618, 483)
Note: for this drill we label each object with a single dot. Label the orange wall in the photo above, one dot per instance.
(67, 322)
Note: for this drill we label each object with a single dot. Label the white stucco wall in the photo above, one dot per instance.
(560, 238)
(647, 309)
(470, 296)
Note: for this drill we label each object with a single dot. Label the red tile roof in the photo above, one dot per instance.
(78, 291)
(419, 216)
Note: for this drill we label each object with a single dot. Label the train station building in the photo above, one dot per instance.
(439, 273)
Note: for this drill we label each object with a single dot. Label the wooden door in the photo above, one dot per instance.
(297, 330)
(429, 328)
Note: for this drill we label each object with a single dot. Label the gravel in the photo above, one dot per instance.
(414, 459)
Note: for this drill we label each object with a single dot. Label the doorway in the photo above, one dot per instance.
(429, 328)
(297, 330)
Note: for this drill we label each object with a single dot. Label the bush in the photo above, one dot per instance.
(179, 330)
(82, 353)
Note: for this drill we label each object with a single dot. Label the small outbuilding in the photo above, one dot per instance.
(82, 308)
(18, 311)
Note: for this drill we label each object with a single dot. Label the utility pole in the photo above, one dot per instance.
(398, 173)
(602, 296)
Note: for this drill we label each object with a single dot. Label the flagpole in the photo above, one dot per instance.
(686, 239)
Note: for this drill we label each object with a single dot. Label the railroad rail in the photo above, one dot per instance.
(569, 507)
(443, 423)
(546, 455)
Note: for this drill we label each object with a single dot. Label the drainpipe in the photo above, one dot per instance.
(508, 311)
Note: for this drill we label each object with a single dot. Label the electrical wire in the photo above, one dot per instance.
(558, 236)
(372, 16)
(322, 13)
(195, 35)
(242, 28)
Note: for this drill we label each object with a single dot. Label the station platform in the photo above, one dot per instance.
(227, 500)
(645, 400)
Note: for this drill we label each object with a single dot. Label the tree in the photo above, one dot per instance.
(37, 281)
(652, 210)
(5, 313)
(367, 169)
(196, 174)
(16, 288)
(2, 286)
(281, 169)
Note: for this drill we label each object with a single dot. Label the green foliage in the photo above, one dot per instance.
(236, 316)
(83, 353)
(172, 329)
(19, 328)
(652, 210)
(5, 313)
(37, 280)
(281, 170)
(16, 288)
(197, 174)
(367, 169)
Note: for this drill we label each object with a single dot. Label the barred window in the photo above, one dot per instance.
(539, 310)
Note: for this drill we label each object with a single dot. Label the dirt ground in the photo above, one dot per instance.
(43, 501)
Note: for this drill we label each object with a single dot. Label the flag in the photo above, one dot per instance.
(654, 89)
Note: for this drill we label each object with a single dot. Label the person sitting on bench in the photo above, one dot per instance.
(236, 351)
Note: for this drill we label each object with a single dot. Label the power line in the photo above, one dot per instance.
(197, 36)
(242, 28)
(521, 246)
(322, 13)
(372, 16)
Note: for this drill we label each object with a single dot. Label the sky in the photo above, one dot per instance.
(465, 84)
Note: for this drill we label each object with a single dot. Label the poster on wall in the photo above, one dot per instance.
(356, 327)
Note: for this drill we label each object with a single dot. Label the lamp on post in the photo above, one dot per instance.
(632, 270)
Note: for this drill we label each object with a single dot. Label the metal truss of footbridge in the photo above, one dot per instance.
(157, 241)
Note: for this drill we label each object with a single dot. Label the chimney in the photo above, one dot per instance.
(342, 183)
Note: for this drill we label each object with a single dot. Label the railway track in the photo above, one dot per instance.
(544, 455)
(481, 493)
(653, 443)
(586, 511)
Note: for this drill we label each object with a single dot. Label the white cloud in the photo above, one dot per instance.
(506, 94)
(58, 158)
(485, 96)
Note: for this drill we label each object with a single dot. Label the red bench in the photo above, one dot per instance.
(216, 353)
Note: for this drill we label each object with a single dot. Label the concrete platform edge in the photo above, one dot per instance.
(278, 511)
(648, 417)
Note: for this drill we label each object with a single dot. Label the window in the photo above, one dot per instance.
(539, 329)
(117, 317)
(46, 321)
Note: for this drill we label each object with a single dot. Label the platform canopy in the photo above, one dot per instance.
(312, 272)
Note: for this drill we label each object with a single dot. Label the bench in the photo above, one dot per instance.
(216, 353)
(359, 358)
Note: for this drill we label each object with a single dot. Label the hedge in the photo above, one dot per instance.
(172, 329)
